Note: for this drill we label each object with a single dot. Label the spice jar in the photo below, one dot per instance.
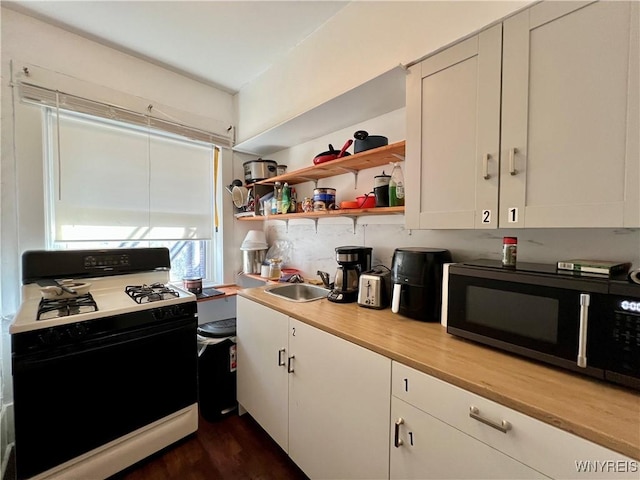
(275, 269)
(509, 251)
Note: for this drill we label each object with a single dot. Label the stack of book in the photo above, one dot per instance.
(597, 267)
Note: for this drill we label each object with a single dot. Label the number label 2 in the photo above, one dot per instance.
(486, 217)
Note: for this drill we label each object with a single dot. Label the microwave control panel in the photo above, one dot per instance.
(625, 334)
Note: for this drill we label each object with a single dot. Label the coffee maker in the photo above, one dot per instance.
(416, 275)
(352, 261)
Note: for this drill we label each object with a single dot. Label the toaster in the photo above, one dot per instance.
(374, 288)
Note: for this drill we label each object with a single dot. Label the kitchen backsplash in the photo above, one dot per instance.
(314, 251)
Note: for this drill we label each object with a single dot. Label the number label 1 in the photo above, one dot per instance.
(486, 216)
(512, 215)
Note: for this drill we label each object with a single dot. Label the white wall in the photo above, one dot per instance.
(364, 40)
(58, 59)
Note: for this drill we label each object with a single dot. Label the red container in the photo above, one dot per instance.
(366, 201)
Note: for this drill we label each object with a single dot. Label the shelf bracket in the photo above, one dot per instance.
(399, 157)
(355, 174)
(315, 220)
(308, 179)
(355, 221)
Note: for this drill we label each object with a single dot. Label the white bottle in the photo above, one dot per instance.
(396, 187)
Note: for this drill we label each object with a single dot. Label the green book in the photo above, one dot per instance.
(604, 267)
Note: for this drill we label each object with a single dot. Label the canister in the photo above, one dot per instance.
(381, 189)
(324, 199)
(193, 284)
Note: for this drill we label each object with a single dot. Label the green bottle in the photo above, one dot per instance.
(396, 187)
(286, 199)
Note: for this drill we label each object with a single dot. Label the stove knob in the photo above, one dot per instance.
(77, 330)
(159, 314)
(49, 337)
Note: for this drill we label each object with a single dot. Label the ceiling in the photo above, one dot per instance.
(222, 43)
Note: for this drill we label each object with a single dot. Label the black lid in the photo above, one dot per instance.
(218, 328)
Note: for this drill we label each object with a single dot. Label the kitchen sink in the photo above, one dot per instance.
(298, 292)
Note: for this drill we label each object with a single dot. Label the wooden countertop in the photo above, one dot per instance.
(603, 413)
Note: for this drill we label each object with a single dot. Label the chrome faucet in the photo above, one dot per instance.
(325, 278)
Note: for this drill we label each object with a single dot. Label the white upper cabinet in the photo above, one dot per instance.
(453, 127)
(531, 123)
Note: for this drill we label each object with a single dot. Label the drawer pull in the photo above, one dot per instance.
(485, 166)
(290, 368)
(512, 161)
(474, 412)
(397, 440)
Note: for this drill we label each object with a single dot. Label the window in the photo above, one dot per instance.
(111, 184)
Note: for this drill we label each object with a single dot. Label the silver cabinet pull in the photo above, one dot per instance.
(512, 161)
(397, 440)
(504, 426)
(290, 368)
(585, 300)
(280, 358)
(485, 166)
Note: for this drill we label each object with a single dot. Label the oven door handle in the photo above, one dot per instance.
(585, 300)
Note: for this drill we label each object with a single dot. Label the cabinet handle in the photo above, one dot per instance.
(512, 161)
(290, 368)
(397, 440)
(585, 300)
(504, 426)
(280, 359)
(485, 166)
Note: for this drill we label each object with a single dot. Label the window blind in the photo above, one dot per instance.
(46, 97)
(111, 181)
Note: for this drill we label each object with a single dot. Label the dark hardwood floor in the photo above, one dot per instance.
(233, 448)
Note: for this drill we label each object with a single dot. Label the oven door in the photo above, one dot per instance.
(73, 399)
(539, 316)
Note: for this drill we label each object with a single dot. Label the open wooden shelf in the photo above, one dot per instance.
(346, 212)
(350, 164)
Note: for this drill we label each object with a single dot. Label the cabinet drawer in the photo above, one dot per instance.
(427, 448)
(543, 447)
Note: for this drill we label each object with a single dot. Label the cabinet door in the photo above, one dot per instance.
(427, 448)
(339, 396)
(262, 367)
(569, 153)
(453, 128)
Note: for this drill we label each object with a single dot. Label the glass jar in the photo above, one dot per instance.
(275, 269)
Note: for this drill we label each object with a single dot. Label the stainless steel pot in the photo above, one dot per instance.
(256, 170)
(252, 260)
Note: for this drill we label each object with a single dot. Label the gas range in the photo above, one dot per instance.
(116, 359)
(108, 295)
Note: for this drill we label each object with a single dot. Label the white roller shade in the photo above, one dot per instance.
(111, 181)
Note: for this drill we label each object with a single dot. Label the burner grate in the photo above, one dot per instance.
(64, 307)
(150, 293)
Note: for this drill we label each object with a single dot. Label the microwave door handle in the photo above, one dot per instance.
(582, 334)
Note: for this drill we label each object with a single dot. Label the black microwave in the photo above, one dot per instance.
(586, 324)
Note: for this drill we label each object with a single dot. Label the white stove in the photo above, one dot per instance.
(109, 296)
(115, 368)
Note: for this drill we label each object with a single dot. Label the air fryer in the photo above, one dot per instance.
(416, 275)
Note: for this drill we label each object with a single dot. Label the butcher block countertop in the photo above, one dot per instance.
(603, 413)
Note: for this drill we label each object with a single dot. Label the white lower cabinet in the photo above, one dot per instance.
(323, 399)
(262, 378)
(457, 434)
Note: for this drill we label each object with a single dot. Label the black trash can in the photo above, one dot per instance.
(217, 369)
